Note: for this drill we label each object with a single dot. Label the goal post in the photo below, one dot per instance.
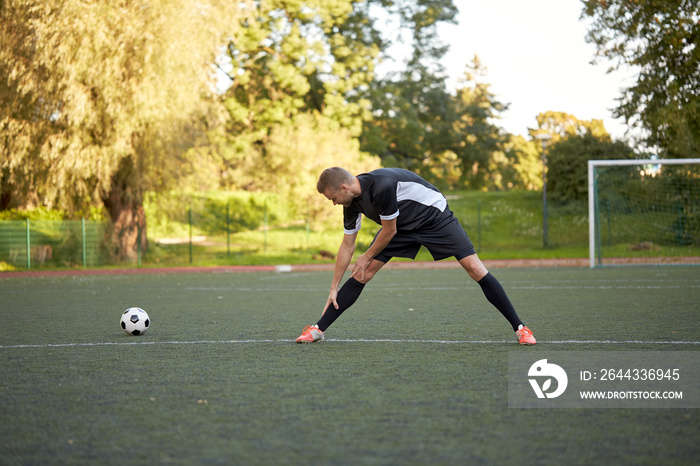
(644, 211)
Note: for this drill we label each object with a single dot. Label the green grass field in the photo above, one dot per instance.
(218, 379)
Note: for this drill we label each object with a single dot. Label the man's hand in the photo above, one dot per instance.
(342, 262)
(382, 239)
(359, 268)
(332, 299)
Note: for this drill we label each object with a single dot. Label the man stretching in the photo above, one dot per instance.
(412, 213)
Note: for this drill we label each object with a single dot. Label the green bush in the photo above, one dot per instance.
(233, 214)
(168, 215)
(40, 213)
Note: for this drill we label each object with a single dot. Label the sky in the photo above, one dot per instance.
(537, 59)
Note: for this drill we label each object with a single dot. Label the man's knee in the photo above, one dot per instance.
(373, 268)
(474, 267)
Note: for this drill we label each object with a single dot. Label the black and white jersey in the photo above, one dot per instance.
(394, 193)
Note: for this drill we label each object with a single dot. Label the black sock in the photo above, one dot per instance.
(496, 295)
(347, 295)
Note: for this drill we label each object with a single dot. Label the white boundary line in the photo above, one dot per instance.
(441, 342)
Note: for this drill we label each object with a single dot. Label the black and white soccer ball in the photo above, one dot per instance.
(135, 321)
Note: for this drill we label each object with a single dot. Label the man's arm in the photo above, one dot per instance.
(380, 242)
(345, 253)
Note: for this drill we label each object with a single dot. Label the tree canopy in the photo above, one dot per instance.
(660, 39)
(320, 59)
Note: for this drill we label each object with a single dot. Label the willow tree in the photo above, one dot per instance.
(99, 100)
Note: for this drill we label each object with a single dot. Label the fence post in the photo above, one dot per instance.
(29, 248)
(82, 221)
(190, 222)
(607, 211)
(478, 223)
(265, 228)
(138, 243)
(680, 226)
(228, 230)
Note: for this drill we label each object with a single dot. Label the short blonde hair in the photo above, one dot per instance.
(332, 178)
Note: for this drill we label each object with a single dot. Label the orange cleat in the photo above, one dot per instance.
(312, 334)
(525, 336)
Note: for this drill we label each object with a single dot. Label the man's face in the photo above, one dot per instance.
(341, 196)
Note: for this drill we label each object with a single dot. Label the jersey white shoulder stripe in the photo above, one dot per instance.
(358, 225)
(389, 217)
(410, 191)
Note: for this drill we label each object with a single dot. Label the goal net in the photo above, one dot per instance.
(644, 212)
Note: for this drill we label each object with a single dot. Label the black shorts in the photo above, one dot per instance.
(445, 239)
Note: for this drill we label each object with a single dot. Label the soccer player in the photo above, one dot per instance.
(412, 213)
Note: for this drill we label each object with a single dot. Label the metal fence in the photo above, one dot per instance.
(247, 230)
(65, 243)
(203, 235)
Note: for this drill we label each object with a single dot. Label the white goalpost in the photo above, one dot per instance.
(644, 211)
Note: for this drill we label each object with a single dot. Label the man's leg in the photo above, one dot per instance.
(347, 295)
(491, 288)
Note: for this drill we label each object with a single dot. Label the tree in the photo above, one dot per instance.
(519, 165)
(99, 101)
(288, 170)
(567, 163)
(479, 139)
(574, 142)
(412, 119)
(662, 40)
(449, 139)
(561, 125)
(290, 58)
(320, 60)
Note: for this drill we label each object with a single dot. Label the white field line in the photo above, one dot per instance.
(467, 286)
(333, 340)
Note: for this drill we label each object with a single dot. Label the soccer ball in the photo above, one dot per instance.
(135, 321)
